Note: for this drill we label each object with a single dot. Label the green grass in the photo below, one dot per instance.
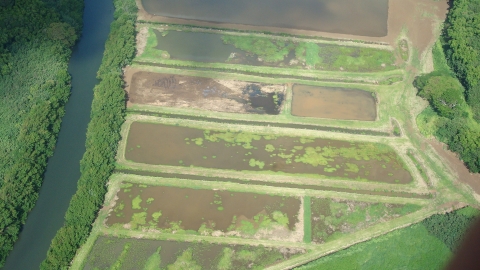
(268, 49)
(408, 248)
(307, 220)
(335, 218)
(153, 262)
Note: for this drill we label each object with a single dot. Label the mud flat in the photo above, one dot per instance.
(159, 144)
(128, 253)
(203, 93)
(333, 103)
(207, 212)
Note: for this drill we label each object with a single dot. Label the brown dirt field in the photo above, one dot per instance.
(192, 92)
(417, 16)
(458, 167)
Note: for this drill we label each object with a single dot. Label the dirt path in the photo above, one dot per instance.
(458, 167)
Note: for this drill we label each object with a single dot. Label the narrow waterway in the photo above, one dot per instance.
(63, 169)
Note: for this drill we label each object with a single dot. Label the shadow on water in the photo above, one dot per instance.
(63, 169)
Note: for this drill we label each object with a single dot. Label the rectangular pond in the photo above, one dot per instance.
(204, 93)
(206, 212)
(110, 252)
(333, 103)
(363, 18)
(160, 144)
(264, 51)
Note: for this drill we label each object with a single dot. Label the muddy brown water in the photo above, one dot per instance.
(107, 249)
(182, 146)
(204, 93)
(333, 103)
(194, 207)
(364, 18)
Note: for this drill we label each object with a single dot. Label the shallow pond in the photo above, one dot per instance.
(265, 51)
(333, 103)
(128, 253)
(183, 146)
(201, 211)
(364, 18)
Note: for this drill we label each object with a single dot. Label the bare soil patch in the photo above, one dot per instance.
(202, 93)
(458, 167)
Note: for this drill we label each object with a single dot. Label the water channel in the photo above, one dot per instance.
(63, 169)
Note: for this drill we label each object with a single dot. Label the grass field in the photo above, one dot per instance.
(408, 248)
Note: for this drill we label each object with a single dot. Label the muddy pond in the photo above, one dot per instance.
(151, 143)
(128, 253)
(270, 52)
(333, 103)
(332, 218)
(203, 211)
(364, 18)
(205, 93)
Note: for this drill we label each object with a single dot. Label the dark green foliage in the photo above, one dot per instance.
(444, 93)
(449, 227)
(463, 38)
(35, 45)
(458, 125)
(98, 162)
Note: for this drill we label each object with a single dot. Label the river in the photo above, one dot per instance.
(63, 169)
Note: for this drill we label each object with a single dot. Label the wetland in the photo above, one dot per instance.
(128, 253)
(206, 212)
(158, 144)
(170, 46)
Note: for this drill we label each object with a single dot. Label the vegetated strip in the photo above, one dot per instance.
(103, 134)
(259, 183)
(307, 220)
(363, 235)
(244, 70)
(259, 123)
(23, 164)
(316, 37)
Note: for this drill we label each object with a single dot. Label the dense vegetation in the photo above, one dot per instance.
(462, 36)
(450, 227)
(107, 116)
(455, 114)
(35, 44)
